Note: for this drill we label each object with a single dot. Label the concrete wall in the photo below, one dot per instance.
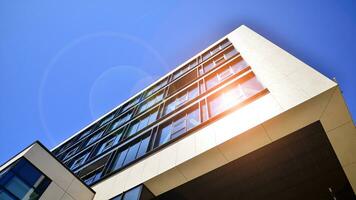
(298, 96)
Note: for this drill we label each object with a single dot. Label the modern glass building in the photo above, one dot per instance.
(243, 119)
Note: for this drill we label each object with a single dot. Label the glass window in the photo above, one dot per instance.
(216, 61)
(150, 102)
(179, 126)
(22, 181)
(119, 160)
(143, 147)
(95, 137)
(6, 196)
(156, 87)
(142, 123)
(71, 153)
(132, 194)
(234, 95)
(165, 134)
(131, 154)
(85, 133)
(93, 177)
(130, 104)
(108, 144)
(181, 99)
(184, 69)
(215, 49)
(79, 161)
(107, 119)
(120, 121)
(224, 73)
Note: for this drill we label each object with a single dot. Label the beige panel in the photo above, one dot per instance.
(135, 175)
(166, 181)
(202, 164)
(298, 117)
(79, 191)
(53, 192)
(67, 197)
(245, 143)
(167, 158)
(185, 149)
(204, 139)
(343, 140)
(49, 166)
(311, 81)
(287, 95)
(151, 167)
(336, 113)
(350, 171)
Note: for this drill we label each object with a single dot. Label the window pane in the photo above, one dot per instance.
(18, 188)
(27, 172)
(239, 66)
(226, 100)
(143, 147)
(231, 53)
(165, 134)
(209, 66)
(178, 127)
(224, 74)
(131, 154)
(193, 119)
(181, 99)
(5, 196)
(194, 92)
(119, 160)
(132, 194)
(153, 117)
(251, 87)
(212, 81)
(143, 123)
(133, 129)
(169, 107)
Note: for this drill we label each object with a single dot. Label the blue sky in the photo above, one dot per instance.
(65, 63)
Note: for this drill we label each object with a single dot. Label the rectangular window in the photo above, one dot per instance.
(142, 123)
(215, 49)
(71, 153)
(181, 99)
(234, 95)
(120, 121)
(109, 144)
(85, 133)
(93, 177)
(130, 104)
(119, 160)
(179, 125)
(79, 161)
(150, 102)
(95, 137)
(107, 119)
(227, 71)
(156, 87)
(22, 180)
(131, 153)
(182, 82)
(218, 60)
(184, 69)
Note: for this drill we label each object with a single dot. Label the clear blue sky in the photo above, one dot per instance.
(65, 63)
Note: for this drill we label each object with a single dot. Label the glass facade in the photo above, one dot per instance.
(185, 100)
(22, 180)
